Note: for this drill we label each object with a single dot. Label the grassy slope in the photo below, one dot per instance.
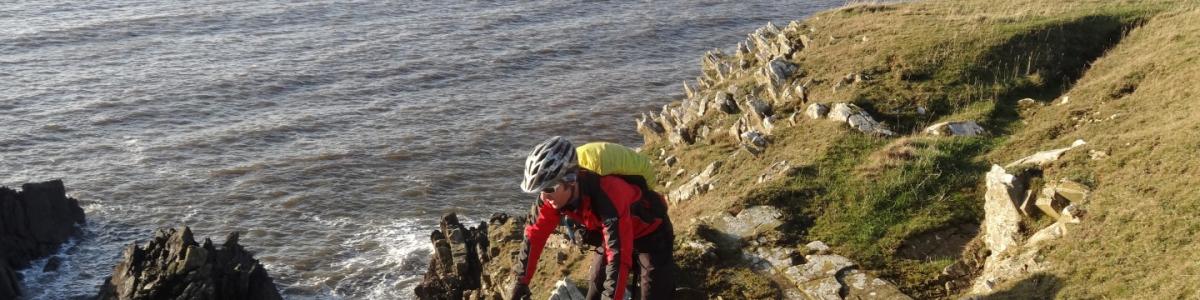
(970, 60)
(1140, 240)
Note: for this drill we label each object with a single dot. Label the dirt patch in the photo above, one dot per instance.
(942, 243)
(895, 154)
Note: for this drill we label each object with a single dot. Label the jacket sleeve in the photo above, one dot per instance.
(618, 234)
(543, 218)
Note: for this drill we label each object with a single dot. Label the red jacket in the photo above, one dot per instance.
(613, 218)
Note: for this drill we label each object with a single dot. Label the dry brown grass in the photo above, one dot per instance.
(897, 153)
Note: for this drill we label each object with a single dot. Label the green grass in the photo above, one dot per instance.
(867, 217)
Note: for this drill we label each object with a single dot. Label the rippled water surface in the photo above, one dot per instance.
(331, 133)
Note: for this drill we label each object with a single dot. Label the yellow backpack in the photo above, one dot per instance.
(608, 158)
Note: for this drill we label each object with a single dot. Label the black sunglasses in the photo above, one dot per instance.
(569, 178)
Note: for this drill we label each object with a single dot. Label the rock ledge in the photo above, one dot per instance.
(33, 223)
(173, 266)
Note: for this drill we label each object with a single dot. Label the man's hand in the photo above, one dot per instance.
(518, 291)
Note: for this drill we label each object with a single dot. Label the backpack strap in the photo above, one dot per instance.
(651, 206)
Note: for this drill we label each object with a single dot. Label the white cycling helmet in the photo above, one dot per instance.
(550, 161)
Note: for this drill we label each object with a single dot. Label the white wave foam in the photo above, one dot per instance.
(385, 261)
(35, 275)
(84, 263)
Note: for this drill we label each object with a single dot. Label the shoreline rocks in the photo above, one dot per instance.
(173, 265)
(34, 222)
(472, 262)
(456, 263)
(9, 282)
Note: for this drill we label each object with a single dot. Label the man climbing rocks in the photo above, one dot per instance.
(621, 209)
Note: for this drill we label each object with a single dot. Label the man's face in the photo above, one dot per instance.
(559, 195)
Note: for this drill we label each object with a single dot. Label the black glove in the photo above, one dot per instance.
(518, 291)
(588, 237)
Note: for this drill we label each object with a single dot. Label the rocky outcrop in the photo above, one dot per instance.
(812, 270)
(836, 277)
(649, 129)
(749, 221)
(725, 103)
(1056, 197)
(1002, 226)
(456, 264)
(172, 265)
(472, 262)
(820, 274)
(765, 61)
(776, 72)
(34, 222)
(698, 185)
(1005, 253)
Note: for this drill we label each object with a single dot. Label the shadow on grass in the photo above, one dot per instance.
(1037, 59)
(1037, 286)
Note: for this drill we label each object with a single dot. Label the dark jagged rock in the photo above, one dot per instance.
(472, 263)
(9, 282)
(173, 266)
(52, 264)
(33, 223)
(456, 264)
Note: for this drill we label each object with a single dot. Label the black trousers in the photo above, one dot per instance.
(653, 267)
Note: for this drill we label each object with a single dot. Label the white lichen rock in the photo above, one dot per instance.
(841, 112)
(858, 119)
(824, 288)
(698, 185)
(769, 259)
(816, 111)
(1002, 218)
(776, 72)
(565, 290)
(724, 102)
(817, 247)
(1045, 157)
(861, 285)
(830, 276)
(866, 124)
(1072, 214)
(760, 108)
(754, 141)
(956, 128)
(648, 126)
(748, 222)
